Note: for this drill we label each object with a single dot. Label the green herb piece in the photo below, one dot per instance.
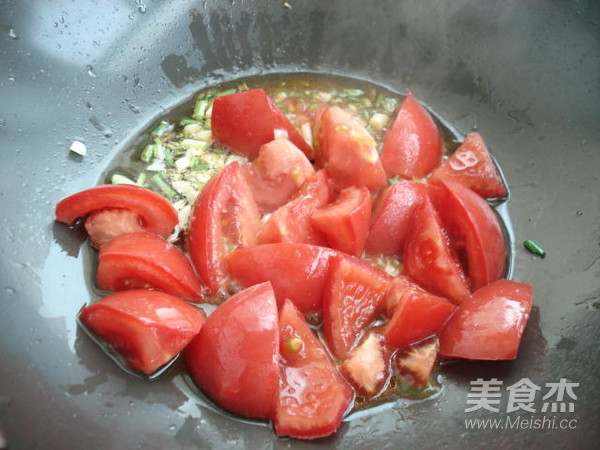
(163, 185)
(117, 178)
(534, 248)
(353, 92)
(162, 127)
(194, 143)
(141, 179)
(227, 92)
(187, 121)
(148, 153)
(200, 109)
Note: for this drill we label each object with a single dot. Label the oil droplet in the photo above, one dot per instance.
(12, 34)
(90, 70)
(10, 289)
(172, 427)
(579, 212)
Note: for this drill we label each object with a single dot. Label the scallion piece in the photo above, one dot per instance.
(163, 185)
(117, 178)
(187, 121)
(141, 179)
(353, 92)
(194, 143)
(160, 129)
(200, 109)
(227, 92)
(148, 153)
(534, 248)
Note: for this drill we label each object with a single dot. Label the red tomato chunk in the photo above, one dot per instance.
(147, 328)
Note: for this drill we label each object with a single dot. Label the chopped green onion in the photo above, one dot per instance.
(200, 109)
(121, 179)
(194, 143)
(534, 248)
(227, 92)
(389, 104)
(141, 179)
(161, 128)
(148, 153)
(163, 185)
(187, 121)
(353, 92)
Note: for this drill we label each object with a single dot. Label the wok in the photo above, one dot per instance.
(525, 74)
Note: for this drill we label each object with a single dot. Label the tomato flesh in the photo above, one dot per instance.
(147, 328)
(367, 367)
(474, 232)
(428, 259)
(391, 216)
(313, 396)
(413, 146)
(155, 213)
(417, 316)
(296, 271)
(234, 358)
(352, 300)
(490, 324)
(105, 225)
(471, 165)
(349, 151)
(224, 217)
(146, 260)
(415, 362)
(345, 222)
(278, 172)
(291, 222)
(245, 121)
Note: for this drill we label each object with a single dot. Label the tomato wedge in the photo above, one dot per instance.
(291, 222)
(391, 216)
(413, 146)
(352, 300)
(147, 328)
(313, 396)
(345, 222)
(155, 213)
(224, 217)
(427, 256)
(417, 316)
(471, 165)
(415, 362)
(367, 367)
(245, 121)
(296, 271)
(474, 232)
(146, 260)
(349, 150)
(234, 358)
(278, 172)
(490, 324)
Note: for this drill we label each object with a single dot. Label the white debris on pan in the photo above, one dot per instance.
(78, 147)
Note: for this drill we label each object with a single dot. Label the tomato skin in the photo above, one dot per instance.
(224, 210)
(490, 324)
(245, 121)
(349, 150)
(473, 225)
(417, 316)
(105, 225)
(353, 298)
(148, 328)
(427, 256)
(413, 146)
(296, 271)
(291, 222)
(313, 396)
(277, 173)
(345, 222)
(144, 260)
(156, 214)
(234, 358)
(391, 216)
(471, 165)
